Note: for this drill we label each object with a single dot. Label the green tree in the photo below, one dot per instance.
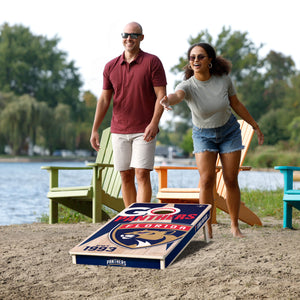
(274, 126)
(278, 71)
(19, 121)
(294, 129)
(291, 100)
(187, 142)
(241, 51)
(278, 66)
(250, 92)
(64, 130)
(83, 129)
(34, 65)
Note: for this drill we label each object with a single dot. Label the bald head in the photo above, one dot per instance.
(133, 27)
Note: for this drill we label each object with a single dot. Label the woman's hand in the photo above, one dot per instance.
(165, 103)
(260, 136)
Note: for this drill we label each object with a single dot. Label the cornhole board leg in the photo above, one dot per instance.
(205, 232)
(144, 235)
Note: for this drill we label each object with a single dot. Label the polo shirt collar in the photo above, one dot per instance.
(136, 60)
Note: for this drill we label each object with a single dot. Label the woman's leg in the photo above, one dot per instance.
(206, 163)
(230, 164)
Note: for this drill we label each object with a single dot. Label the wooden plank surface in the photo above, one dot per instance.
(147, 235)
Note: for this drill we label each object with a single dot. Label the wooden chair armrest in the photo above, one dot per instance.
(286, 168)
(288, 178)
(100, 165)
(160, 168)
(245, 168)
(175, 168)
(163, 173)
(50, 168)
(54, 171)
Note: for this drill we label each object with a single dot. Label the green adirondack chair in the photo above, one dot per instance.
(89, 200)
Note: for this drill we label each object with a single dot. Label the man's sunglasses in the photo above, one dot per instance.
(199, 57)
(132, 35)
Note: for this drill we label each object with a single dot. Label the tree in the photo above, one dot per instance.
(274, 126)
(187, 142)
(278, 66)
(250, 92)
(291, 100)
(279, 69)
(294, 128)
(19, 121)
(34, 65)
(241, 51)
(63, 130)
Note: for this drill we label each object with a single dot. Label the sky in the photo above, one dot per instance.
(90, 30)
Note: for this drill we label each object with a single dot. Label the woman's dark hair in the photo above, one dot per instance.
(219, 67)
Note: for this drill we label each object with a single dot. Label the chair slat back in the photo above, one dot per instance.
(111, 180)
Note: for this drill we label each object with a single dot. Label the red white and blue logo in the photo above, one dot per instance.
(141, 235)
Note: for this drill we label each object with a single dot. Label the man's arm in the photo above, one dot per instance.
(152, 129)
(101, 110)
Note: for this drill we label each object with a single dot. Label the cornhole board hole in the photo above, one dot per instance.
(144, 235)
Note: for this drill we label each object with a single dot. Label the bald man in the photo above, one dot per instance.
(136, 81)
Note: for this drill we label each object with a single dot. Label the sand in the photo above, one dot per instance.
(35, 264)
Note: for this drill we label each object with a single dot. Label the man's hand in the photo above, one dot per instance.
(150, 133)
(94, 140)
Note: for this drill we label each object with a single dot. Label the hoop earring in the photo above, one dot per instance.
(189, 67)
(209, 65)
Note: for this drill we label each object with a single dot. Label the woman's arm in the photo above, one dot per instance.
(172, 99)
(242, 111)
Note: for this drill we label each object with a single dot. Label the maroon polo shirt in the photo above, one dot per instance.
(134, 96)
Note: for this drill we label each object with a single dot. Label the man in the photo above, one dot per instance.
(137, 82)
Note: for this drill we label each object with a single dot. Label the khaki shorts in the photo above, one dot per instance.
(132, 151)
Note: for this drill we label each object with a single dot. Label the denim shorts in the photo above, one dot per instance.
(224, 139)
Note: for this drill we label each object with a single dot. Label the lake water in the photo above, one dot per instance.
(24, 186)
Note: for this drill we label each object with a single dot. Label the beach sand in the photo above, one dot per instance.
(35, 264)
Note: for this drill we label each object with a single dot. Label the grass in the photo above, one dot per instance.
(67, 215)
(263, 203)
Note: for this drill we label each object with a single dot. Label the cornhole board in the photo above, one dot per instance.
(144, 235)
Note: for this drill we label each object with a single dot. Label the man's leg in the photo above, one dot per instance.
(122, 149)
(128, 187)
(143, 162)
(144, 185)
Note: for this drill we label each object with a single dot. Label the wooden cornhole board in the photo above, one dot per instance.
(144, 235)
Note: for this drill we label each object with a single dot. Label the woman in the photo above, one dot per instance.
(210, 95)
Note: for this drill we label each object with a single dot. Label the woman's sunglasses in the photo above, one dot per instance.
(199, 57)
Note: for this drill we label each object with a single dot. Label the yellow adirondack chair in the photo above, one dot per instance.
(88, 200)
(191, 195)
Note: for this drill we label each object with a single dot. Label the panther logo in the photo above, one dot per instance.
(145, 237)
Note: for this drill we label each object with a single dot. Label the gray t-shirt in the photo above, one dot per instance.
(208, 100)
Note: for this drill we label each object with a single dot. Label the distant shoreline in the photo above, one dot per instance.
(18, 159)
(175, 161)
